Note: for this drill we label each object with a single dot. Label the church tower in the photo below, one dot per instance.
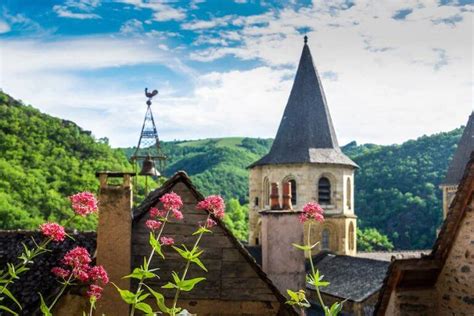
(306, 154)
(461, 157)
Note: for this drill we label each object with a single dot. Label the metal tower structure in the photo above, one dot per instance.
(148, 150)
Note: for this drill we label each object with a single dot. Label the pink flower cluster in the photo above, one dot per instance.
(83, 203)
(214, 204)
(54, 231)
(154, 212)
(167, 241)
(171, 201)
(209, 223)
(313, 211)
(153, 224)
(78, 262)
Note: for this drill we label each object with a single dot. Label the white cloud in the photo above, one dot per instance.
(161, 11)
(4, 27)
(78, 9)
(132, 26)
(207, 24)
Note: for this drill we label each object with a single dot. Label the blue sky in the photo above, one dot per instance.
(391, 70)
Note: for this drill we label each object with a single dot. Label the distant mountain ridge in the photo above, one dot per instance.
(44, 159)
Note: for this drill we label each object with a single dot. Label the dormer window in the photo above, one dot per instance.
(324, 191)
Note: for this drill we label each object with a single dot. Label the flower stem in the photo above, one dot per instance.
(186, 268)
(63, 288)
(150, 257)
(313, 270)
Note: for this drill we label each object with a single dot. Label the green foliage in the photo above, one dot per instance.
(42, 161)
(370, 239)
(236, 218)
(397, 187)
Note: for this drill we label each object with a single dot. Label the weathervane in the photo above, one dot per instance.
(148, 149)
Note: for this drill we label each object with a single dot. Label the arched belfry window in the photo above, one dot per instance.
(293, 192)
(349, 193)
(324, 191)
(351, 236)
(325, 239)
(266, 192)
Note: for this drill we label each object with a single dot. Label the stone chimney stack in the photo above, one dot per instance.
(287, 196)
(283, 263)
(114, 239)
(275, 197)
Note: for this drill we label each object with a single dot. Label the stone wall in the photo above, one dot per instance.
(455, 285)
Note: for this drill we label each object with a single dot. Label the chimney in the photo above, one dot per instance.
(283, 263)
(287, 196)
(114, 239)
(274, 197)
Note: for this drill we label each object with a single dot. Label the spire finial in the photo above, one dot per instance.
(305, 39)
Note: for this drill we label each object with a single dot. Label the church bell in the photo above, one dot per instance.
(148, 168)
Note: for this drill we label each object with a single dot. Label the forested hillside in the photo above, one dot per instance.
(45, 159)
(42, 161)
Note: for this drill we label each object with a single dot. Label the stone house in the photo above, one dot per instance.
(234, 285)
(440, 283)
(306, 154)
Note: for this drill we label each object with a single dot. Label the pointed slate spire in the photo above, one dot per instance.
(461, 155)
(306, 132)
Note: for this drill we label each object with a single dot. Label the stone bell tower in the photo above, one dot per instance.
(306, 154)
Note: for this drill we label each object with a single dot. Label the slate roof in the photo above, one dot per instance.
(306, 133)
(461, 155)
(423, 272)
(350, 278)
(39, 277)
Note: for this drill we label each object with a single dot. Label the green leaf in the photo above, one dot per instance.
(156, 245)
(186, 254)
(202, 230)
(301, 247)
(143, 297)
(169, 285)
(8, 310)
(43, 307)
(160, 300)
(10, 295)
(127, 296)
(144, 307)
(199, 263)
(140, 274)
(335, 309)
(188, 285)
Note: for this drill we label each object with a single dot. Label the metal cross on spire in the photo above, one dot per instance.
(149, 143)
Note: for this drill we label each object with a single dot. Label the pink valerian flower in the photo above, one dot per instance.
(313, 211)
(167, 241)
(152, 224)
(54, 231)
(177, 214)
(60, 272)
(209, 223)
(154, 212)
(78, 257)
(98, 273)
(83, 203)
(171, 201)
(95, 291)
(81, 273)
(214, 204)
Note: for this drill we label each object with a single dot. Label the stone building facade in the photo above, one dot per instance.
(306, 154)
(450, 183)
(440, 283)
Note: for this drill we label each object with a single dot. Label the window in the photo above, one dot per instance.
(351, 236)
(256, 201)
(293, 192)
(348, 193)
(325, 239)
(266, 192)
(324, 191)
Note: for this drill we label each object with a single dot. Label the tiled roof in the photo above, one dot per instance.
(350, 278)
(389, 255)
(39, 277)
(306, 133)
